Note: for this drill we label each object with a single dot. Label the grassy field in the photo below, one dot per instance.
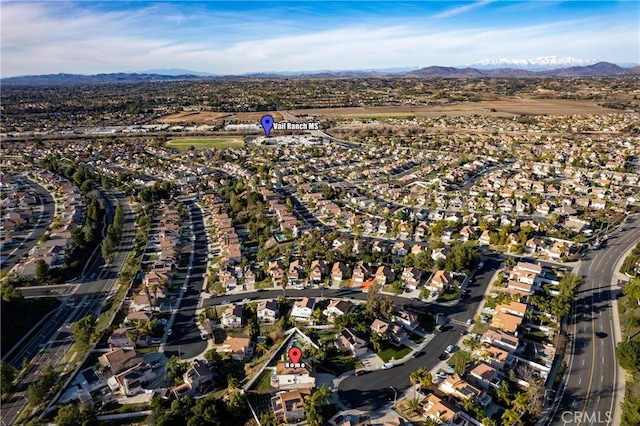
(220, 143)
(393, 352)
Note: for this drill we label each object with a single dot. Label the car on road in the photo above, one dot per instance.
(387, 366)
(246, 299)
(169, 331)
(155, 364)
(442, 374)
(469, 321)
(225, 302)
(449, 349)
(361, 372)
(464, 332)
(204, 336)
(417, 354)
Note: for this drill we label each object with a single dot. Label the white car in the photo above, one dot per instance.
(246, 299)
(169, 331)
(387, 366)
(204, 336)
(449, 349)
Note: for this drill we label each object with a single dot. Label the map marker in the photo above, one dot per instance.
(267, 124)
(294, 353)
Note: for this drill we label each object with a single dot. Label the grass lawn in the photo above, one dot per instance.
(449, 295)
(345, 283)
(392, 289)
(343, 363)
(393, 352)
(416, 338)
(186, 143)
(264, 284)
(263, 383)
(537, 336)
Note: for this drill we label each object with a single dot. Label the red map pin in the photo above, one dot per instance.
(295, 354)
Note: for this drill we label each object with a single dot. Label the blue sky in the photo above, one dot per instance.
(236, 37)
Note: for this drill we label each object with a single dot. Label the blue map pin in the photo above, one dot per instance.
(267, 123)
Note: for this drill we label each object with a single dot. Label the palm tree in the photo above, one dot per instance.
(510, 417)
(414, 406)
(520, 403)
(262, 347)
(323, 395)
(488, 421)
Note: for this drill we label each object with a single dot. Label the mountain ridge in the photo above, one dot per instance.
(600, 69)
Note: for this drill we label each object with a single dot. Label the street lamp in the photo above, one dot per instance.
(395, 396)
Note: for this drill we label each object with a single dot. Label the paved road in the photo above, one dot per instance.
(185, 339)
(592, 373)
(13, 257)
(372, 391)
(56, 336)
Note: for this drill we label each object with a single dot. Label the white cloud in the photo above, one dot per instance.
(37, 39)
(462, 9)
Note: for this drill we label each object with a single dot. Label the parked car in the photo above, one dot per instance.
(417, 354)
(169, 331)
(225, 302)
(449, 349)
(361, 372)
(443, 356)
(204, 336)
(387, 366)
(469, 321)
(246, 299)
(442, 375)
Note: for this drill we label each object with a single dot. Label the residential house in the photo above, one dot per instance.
(440, 254)
(347, 341)
(288, 406)
(456, 386)
(318, 271)
(296, 272)
(337, 308)
(441, 281)
(441, 411)
(384, 275)
(232, 317)
(338, 273)
(240, 348)
(198, 376)
(411, 277)
(485, 376)
(293, 378)
(360, 274)
(267, 311)
(130, 382)
(400, 248)
(118, 360)
(395, 332)
(302, 309)
(407, 319)
(485, 238)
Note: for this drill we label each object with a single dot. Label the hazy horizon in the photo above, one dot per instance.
(224, 38)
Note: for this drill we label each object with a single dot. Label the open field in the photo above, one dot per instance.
(505, 107)
(200, 117)
(210, 117)
(221, 143)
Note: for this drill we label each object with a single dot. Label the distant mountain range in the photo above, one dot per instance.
(600, 69)
(542, 63)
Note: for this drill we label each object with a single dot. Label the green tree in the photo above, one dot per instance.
(83, 330)
(10, 293)
(510, 417)
(632, 290)
(628, 353)
(72, 415)
(41, 270)
(39, 390)
(8, 374)
(213, 357)
(175, 368)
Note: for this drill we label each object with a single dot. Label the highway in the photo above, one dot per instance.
(56, 337)
(588, 397)
(185, 340)
(30, 239)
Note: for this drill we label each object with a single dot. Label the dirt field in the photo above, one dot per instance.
(209, 117)
(202, 117)
(502, 108)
